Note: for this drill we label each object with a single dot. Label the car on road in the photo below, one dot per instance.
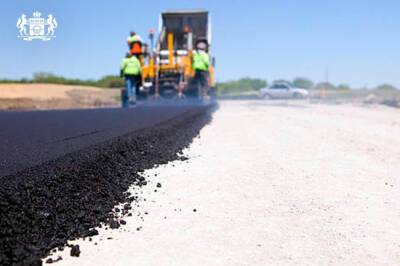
(283, 91)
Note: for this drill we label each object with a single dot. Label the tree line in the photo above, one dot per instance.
(44, 77)
(254, 84)
(232, 86)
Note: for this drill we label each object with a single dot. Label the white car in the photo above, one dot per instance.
(283, 91)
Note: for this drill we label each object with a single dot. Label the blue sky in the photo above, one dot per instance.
(357, 40)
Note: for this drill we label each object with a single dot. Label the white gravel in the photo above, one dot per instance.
(275, 183)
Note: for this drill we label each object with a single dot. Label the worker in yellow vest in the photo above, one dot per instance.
(131, 70)
(201, 64)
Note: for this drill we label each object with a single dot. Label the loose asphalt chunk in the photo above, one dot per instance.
(43, 207)
(51, 260)
(75, 251)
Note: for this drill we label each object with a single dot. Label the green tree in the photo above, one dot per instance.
(111, 82)
(241, 85)
(344, 87)
(325, 86)
(386, 87)
(303, 83)
(282, 81)
(44, 77)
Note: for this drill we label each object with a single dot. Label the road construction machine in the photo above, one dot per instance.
(167, 63)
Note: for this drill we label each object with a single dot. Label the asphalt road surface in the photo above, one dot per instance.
(30, 138)
(80, 165)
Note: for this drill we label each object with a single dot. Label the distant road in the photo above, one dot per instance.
(30, 138)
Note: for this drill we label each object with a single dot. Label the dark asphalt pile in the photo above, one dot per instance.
(43, 207)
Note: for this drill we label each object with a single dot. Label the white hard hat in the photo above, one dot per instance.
(201, 45)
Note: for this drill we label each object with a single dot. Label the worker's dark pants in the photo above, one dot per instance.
(201, 80)
(132, 85)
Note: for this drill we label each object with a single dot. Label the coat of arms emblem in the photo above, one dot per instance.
(37, 27)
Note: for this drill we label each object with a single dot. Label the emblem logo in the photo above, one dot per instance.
(37, 27)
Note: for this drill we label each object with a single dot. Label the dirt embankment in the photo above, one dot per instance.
(53, 96)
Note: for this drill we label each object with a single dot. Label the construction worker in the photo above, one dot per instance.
(200, 64)
(131, 70)
(135, 44)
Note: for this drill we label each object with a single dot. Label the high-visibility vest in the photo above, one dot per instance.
(201, 61)
(131, 66)
(135, 43)
(134, 38)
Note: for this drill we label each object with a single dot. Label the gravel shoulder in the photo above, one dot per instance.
(269, 183)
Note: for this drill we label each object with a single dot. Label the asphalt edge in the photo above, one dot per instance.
(66, 198)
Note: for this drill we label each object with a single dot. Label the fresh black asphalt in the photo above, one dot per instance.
(31, 138)
(65, 171)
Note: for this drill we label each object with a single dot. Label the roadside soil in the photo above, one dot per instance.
(269, 183)
(54, 96)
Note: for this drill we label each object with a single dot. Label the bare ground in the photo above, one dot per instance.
(53, 96)
(270, 183)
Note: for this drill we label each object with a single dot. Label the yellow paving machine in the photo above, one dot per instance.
(167, 65)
